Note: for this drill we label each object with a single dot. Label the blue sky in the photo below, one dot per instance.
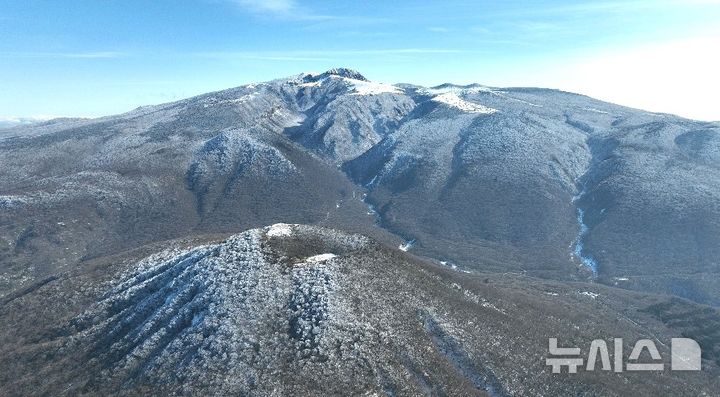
(92, 57)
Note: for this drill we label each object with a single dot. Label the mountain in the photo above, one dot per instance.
(533, 181)
(216, 163)
(8, 122)
(423, 241)
(301, 310)
(539, 181)
(549, 183)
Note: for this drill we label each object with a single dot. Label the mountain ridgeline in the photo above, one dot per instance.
(500, 180)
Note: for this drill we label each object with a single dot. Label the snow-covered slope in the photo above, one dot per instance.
(298, 310)
(482, 177)
(453, 100)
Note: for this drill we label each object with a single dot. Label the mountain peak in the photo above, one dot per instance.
(343, 72)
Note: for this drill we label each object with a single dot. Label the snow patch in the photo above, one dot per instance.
(244, 98)
(405, 247)
(320, 258)
(370, 88)
(279, 230)
(460, 90)
(455, 101)
(587, 260)
(592, 295)
(8, 201)
(214, 101)
(310, 84)
(596, 110)
(475, 89)
(449, 264)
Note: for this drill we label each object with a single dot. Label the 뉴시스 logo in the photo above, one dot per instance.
(685, 356)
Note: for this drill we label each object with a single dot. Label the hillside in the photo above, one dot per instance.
(533, 181)
(293, 309)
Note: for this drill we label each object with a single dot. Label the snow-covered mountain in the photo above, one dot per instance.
(524, 180)
(300, 310)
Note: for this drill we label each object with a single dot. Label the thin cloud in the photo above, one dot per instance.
(319, 55)
(622, 6)
(283, 9)
(28, 119)
(14, 121)
(66, 55)
(291, 10)
(408, 51)
(289, 57)
(272, 6)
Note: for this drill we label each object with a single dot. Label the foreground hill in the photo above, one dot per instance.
(532, 181)
(298, 310)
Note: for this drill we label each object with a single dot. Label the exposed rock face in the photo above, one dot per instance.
(341, 72)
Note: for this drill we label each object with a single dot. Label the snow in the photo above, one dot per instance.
(461, 90)
(475, 89)
(588, 261)
(370, 208)
(279, 230)
(452, 99)
(405, 247)
(371, 88)
(310, 84)
(223, 294)
(355, 85)
(449, 264)
(596, 110)
(213, 101)
(320, 258)
(244, 98)
(592, 295)
(8, 201)
(521, 101)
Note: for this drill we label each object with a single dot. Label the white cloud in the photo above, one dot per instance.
(271, 6)
(22, 120)
(283, 9)
(79, 55)
(622, 6)
(322, 55)
(12, 121)
(102, 54)
(679, 77)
